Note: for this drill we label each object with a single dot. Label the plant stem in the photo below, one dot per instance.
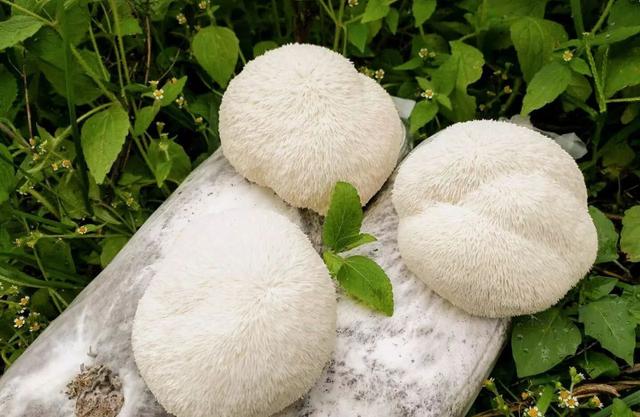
(623, 100)
(576, 15)
(28, 12)
(603, 16)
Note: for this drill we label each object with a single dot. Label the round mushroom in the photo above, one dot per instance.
(494, 218)
(300, 118)
(239, 320)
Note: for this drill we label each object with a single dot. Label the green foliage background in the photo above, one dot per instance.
(107, 105)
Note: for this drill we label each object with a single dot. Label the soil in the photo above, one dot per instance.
(97, 391)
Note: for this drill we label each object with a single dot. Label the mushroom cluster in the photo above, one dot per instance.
(239, 320)
(300, 118)
(493, 217)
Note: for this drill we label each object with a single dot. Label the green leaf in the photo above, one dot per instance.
(580, 66)
(129, 26)
(7, 180)
(333, 262)
(168, 160)
(392, 20)
(541, 341)
(262, 47)
(364, 280)
(630, 235)
(362, 239)
(620, 409)
(102, 137)
(172, 90)
(110, 248)
(411, 64)
(535, 40)
(344, 218)
(598, 364)
(546, 86)
(375, 10)
(16, 29)
(55, 254)
(422, 10)
(8, 91)
(145, 118)
(358, 34)
(543, 403)
(216, 50)
(609, 322)
(69, 190)
(624, 13)
(423, 112)
(607, 236)
(623, 70)
(595, 287)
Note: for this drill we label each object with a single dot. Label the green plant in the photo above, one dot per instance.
(360, 276)
(76, 71)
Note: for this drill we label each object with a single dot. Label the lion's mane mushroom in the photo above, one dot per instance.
(300, 118)
(239, 320)
(493, 217)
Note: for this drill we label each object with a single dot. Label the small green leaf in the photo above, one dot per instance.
(422, 10)
(623, 70)
(598, 364)
(543, 403)
(8, 91)
(362, 239)
(358, 34)
(172, 90)
(609, 322)
(102, 137)
(607, 37)
(620, 409)
(16, 29)
(344, 218)
(364, 280)
(145, 118)
(595, 287)
(630, 235)
(411, 64)
(423, 112)
(392, 20)
(333, 262)
(580, 66)
(216, 50)
(607, 236)
(624, 13)
(534, 40)
(262, 47)
(168, 160)
(541, 341)
(546, 86)
(375, 10)
(7, 179)
(110, 248)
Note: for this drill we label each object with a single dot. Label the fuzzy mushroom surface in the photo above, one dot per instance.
(494, 218)
(300, 118)
(239, 320)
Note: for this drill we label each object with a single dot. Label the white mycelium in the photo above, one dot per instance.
(239, 320)
(493, 217)
(300, 118)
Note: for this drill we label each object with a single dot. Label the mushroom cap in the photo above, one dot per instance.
(239, 320)
(300, 118)
(494, 218)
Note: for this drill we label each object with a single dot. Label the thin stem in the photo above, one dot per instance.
(623, 100)
(116, 23)
(602, 104)
(28, 12)
(603, 16)
(576, 15)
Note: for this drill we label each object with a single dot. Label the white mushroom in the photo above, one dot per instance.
(239, 320)
(493, 217)
(300, 118)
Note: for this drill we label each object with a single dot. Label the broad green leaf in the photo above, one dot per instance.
(617, 157)
(579, 87)
(262, 47)
(169, 161)
(56, 254)
(110, 248)
(595, 287)
(216, 50)
(423, 112)
(7, 180)
(598, 364)
(172, 90)
(422, 10)
(542, 341)
(144, 118)
(508, 9)
(620, 409)
(16, 29)
(358, 34)
(609, 322)
(74, 21)
(392, 20)
(535, 40)
(102, 137)
(129, 26)
(580, 66)
(548, 83)
(630, 235)
(375, 10)
(69, 190)
(8, 91)
(548, 394)
(607, 236)
(344, 218)
(623, 70)
(624, 13)
(364, 280)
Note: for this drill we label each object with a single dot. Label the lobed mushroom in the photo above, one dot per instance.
(494, 218)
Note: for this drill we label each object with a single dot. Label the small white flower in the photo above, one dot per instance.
(158, 94)
(423, 53)
(428, 94)
(182, 19)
